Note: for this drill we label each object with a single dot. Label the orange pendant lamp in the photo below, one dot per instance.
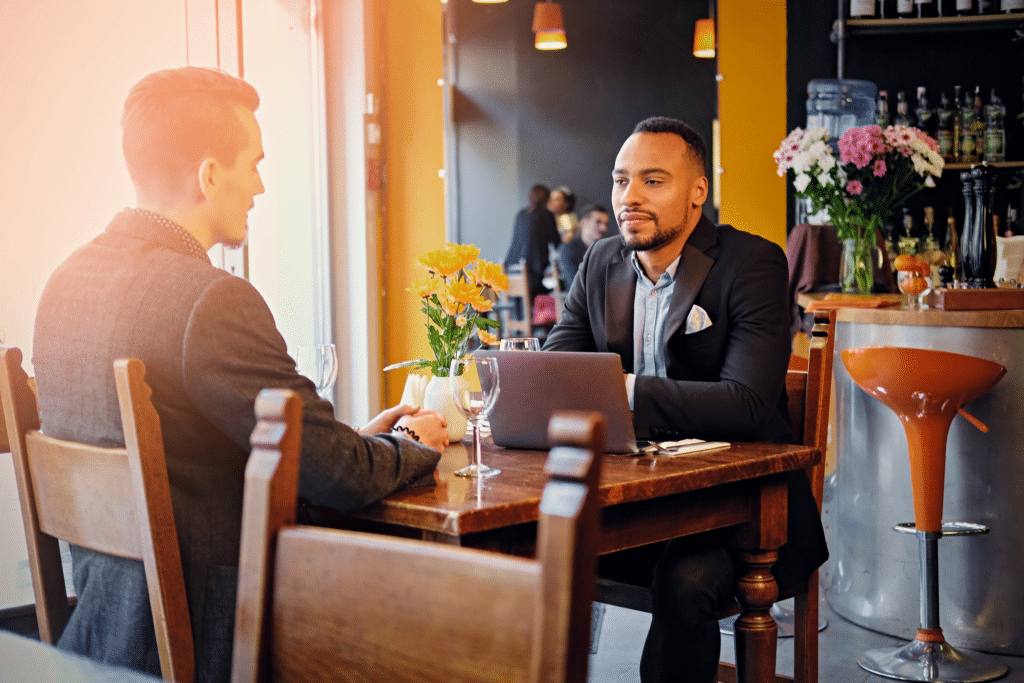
(704, 38)
(548, 27)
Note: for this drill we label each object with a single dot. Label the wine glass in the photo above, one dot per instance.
(320, 364)
(519, 344)
(475, 387)
(915, 285)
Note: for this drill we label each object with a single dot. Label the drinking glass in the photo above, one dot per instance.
(320, 364)
(475, 387)
(916, 286)
(519, 344)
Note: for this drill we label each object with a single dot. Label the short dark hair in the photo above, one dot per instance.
(693, 139)
(174, 118)
(570, 198)
(538, 196)
(593, 208)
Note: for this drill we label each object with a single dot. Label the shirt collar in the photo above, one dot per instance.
(670, 271)
(192, 246)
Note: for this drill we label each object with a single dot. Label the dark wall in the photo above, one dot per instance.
(937, 61)
(523, 116)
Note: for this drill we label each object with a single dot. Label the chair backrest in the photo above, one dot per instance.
(818, 394)
(113, 500)
(325, 604)
(518, 288)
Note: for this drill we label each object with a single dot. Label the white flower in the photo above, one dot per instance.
(801, 182)
(827, 162)
(824, 179)
(929, 181)
(802, 163)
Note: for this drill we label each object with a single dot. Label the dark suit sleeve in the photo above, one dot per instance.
(573, 332)
(743, 402)
(543, 232)
(232, 350)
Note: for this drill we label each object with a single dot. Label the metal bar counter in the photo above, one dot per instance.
(872, 575)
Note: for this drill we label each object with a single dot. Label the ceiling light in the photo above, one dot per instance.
(548, 26)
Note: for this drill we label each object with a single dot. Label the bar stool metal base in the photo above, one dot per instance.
(921, 661)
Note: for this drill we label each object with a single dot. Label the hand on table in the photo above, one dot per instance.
(387, 419)
(429, 425)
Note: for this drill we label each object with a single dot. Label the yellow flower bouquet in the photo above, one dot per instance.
(454, 297)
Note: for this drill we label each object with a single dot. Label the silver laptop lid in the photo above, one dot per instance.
(536, 384)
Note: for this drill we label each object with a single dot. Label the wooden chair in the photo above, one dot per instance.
(324, 604)
(113, 500)
(518, 289)
(809, 394)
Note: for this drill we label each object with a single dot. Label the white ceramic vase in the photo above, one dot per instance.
(438, 396)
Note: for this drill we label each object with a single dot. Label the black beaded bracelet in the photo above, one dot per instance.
(401, 428)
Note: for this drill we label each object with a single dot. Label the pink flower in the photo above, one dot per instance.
(879, 169)
(854, 187)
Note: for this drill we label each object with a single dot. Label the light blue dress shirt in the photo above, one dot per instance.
(651, 303)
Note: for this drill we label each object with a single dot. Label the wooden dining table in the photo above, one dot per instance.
(644, 499)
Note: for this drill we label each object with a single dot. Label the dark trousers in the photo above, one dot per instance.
(690, 579)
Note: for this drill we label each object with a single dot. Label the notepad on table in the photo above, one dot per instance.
(687, 446)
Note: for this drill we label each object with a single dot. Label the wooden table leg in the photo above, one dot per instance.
(756, 631)
(758, 542)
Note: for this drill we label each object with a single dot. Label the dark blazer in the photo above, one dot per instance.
(570, 256)
(725, 382)
(210, 345)
(532, 232)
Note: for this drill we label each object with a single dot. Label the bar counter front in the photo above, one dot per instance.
(871, 577)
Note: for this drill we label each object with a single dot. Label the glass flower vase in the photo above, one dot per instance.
(861, 256)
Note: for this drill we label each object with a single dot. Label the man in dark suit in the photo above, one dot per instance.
(699, 315)
(145, 288)
(533, 235)
(592, 226)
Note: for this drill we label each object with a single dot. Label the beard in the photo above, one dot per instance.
(659, 238)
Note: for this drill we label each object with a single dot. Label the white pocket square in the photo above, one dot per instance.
(697, 320)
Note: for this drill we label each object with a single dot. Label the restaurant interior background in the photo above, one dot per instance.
(354, 128)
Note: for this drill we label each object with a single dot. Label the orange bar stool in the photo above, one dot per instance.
(926, 389)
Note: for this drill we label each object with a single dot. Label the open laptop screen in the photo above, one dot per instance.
(536, 384)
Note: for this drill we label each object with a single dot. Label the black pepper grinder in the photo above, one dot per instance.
(979, 239)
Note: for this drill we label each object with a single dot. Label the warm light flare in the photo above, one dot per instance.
(549, 27)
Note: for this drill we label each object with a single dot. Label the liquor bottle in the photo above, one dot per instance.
(952, 248)
(958, 124)
(945, 117)
(995, 132)
(926, 119)
(927, 8)
(964, 7)
(862, 8)
(979, 124)
(968, 117)
(905, 8)
(882, 109)
(902, 111)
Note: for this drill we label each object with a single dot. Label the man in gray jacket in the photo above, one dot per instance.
(145, 288)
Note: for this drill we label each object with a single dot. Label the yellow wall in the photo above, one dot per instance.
(414, 153)
(752, 110)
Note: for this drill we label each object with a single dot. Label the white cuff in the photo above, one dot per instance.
(630, 381)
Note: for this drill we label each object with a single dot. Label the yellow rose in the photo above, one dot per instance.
(448, 261)
(486, 338)
(490, 275)
(423, 288)
(466, 292)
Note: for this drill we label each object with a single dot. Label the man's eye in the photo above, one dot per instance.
(618, 181)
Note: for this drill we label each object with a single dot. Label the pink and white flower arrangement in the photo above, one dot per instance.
(876, 172)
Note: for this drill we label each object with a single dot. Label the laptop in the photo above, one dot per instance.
(536, 384)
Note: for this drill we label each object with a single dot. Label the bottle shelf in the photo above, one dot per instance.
(964, 165)
(980, 22)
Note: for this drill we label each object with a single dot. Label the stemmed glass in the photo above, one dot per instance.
(519, 344)
(320, 364)
(475, 387)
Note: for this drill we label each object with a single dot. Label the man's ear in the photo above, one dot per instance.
(699, 193)
(208, 177)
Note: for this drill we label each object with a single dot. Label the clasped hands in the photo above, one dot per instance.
(429, 425)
